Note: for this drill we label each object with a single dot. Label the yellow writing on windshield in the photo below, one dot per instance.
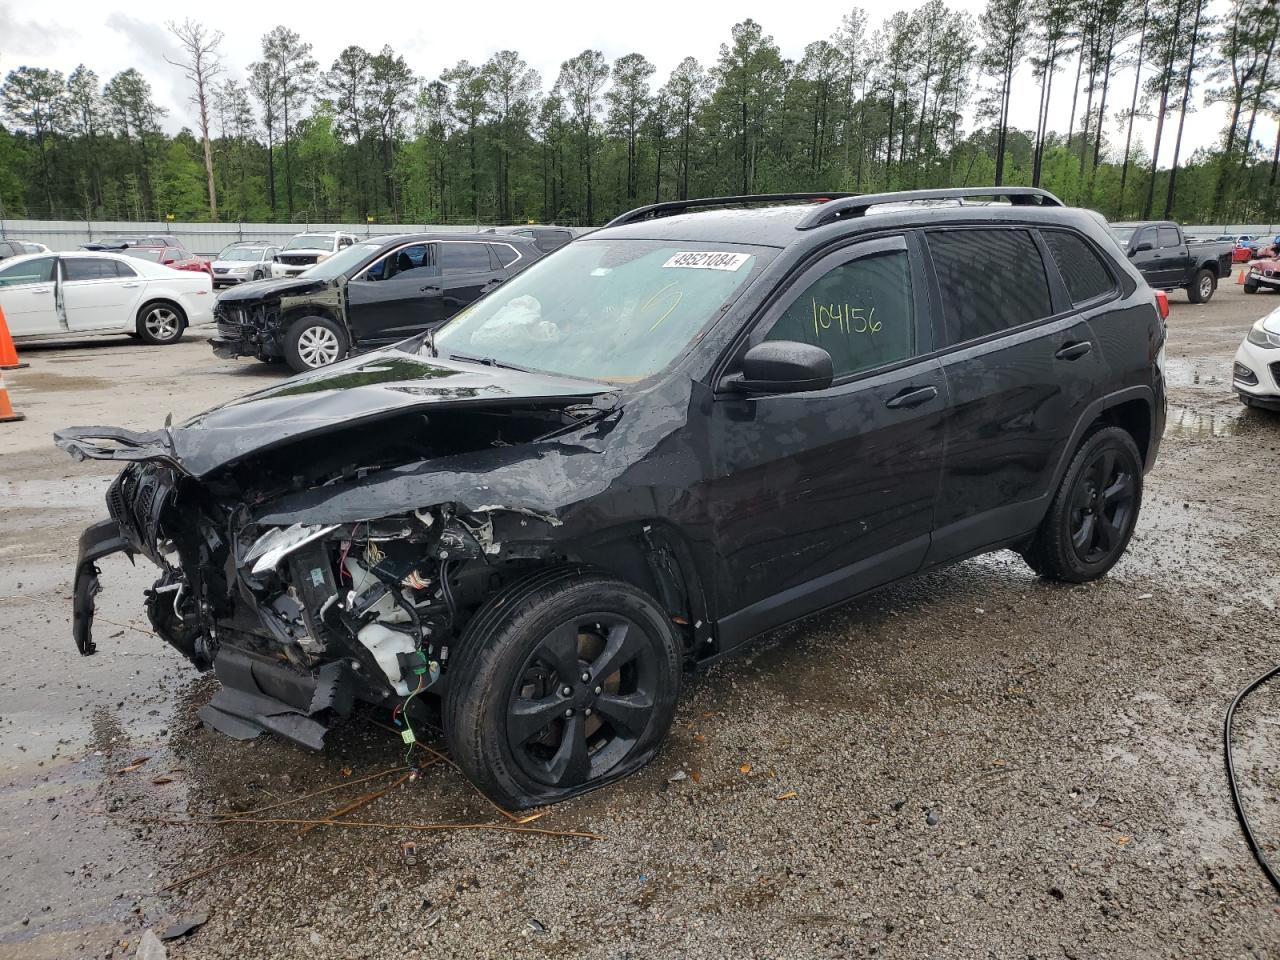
(845, 317)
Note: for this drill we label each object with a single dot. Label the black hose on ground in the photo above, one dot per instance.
(1254, 848)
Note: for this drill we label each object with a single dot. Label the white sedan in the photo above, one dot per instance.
(1256, 374)
(47, 295)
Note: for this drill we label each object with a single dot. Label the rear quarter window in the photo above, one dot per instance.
(990, 281)
(1083, 271)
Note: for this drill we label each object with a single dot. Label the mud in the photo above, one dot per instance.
(982, 764)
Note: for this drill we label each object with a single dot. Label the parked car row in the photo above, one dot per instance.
(16, 248)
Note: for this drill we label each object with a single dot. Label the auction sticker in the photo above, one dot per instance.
(708, 260)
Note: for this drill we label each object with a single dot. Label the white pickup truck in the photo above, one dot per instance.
(308, 249)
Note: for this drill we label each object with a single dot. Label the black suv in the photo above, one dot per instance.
(367, 295)
(705, 420)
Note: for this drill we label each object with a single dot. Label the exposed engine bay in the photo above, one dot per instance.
(302, 618)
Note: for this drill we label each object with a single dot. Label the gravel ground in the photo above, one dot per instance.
(972, 764)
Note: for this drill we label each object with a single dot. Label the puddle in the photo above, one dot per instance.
(1190, 424)
(1197, 371)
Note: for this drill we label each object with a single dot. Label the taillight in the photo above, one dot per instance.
(1162, 304)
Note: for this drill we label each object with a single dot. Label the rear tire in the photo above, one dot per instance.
(314, 342)
(1092, 516)
(511, 726)
(1203, 283)
(160, 323)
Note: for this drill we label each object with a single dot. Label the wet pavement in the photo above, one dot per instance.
(971, 764)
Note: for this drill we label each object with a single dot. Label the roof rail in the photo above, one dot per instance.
(673, 207)
(856, 206)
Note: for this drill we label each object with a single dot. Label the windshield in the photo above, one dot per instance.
(1122, 234)
(143, 253)
(618, 310)
(341, 262)
(310, 241)
(241, 253)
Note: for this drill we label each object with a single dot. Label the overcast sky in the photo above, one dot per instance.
(109, 37)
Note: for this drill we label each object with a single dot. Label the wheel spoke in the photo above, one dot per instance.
(1106, 466)
(1108, 534)
(571, 764)
(1082, 539)
(622, 645)
(528, 717)
(560, 652)
(629, 714)
(1119, 491)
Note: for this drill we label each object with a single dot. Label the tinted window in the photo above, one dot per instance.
(1082, 270)
(28, 271)
(87, 268)
(413, 257)
(859, 312)
(505, 253)
(123, 269)
(990, 280)
(1169, 237)
(456, 257)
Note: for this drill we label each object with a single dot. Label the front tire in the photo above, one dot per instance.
(1092, 516)
(314, 342)
(1250, 288)
(1203, 283)
(565, 681)
(161, 323)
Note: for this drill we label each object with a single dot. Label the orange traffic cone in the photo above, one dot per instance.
(6, 408)
(8, 352)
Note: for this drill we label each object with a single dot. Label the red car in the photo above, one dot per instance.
(175, 257)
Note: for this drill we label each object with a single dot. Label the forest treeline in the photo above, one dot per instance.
(919, 100)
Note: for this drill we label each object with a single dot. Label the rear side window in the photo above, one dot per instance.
(1082, 270)
(1168, 237)
(505, 253)
(122, 269)
(860, 312)
(88, 268)
(991, 281)
(461, 257)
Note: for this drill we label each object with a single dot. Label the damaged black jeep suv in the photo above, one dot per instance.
(709, 418)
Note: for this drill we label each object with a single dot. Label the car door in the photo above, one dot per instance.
(467, 271)
(99, 294)
(29, 296)
(1175, 256)
(1021, 366)
(823, 494)
(396, 296)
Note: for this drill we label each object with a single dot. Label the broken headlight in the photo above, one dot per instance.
(277, 543)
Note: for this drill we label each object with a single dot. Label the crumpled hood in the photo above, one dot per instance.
(271, 289)
(357, 391)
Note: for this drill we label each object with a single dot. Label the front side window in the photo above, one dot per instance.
(860, 312)
(1082, 270)
(607, 309)
(39, 270)
(416, 256)
(1169, 237)
(88, 268)
(463, 257)
(990, 280)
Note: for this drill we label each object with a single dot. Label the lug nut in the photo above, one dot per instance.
(598, 689)
(569, 712)
(586, 712)
(586, 678)
(566, 691)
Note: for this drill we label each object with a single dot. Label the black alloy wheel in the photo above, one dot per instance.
(1093, 513)
(565, 680)
(582, 699)
(1101, 505)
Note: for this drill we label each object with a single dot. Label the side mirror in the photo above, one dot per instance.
(783, 366)
(1143, 247)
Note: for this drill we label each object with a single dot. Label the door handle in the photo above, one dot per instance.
(911, 397)
(428, 289)
(1074, 351)
(129, 285)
